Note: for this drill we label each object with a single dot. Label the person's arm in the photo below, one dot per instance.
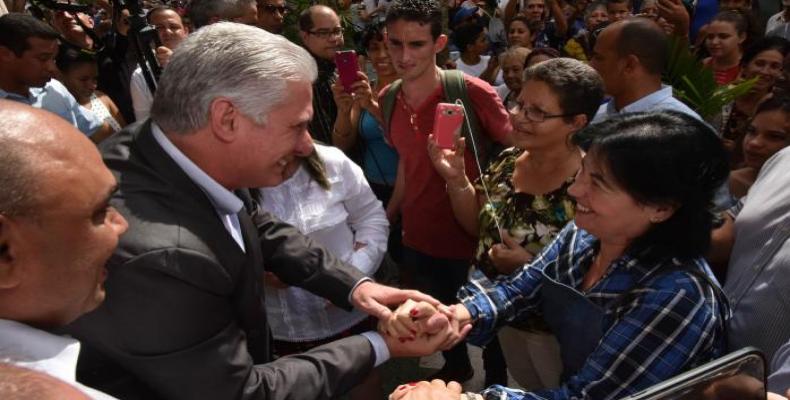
(449, 164)
(721, 241)
(393, 207)
(510, 11)
(367, 219)
(342, 135)
(492, 304)
(141, 96)
(661, 331)
(115, 112)
(492, 69)
(559, 18)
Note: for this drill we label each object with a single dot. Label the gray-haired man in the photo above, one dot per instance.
(185, 318)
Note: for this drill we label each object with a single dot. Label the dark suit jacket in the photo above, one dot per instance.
(184, 316)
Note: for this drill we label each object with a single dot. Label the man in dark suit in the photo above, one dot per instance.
(185, 317)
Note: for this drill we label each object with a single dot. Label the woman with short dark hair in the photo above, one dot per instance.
(528, 188)
(624, 287)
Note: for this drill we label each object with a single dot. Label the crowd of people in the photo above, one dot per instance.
(248, 225)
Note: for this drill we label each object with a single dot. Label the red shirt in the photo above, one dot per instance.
(429, 225)
(723, 76)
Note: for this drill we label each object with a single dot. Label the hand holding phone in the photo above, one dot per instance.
(347, 67)
(447, 123)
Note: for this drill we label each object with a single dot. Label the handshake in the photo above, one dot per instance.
(421, 328)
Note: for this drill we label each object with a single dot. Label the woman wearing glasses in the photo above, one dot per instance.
(528, 189)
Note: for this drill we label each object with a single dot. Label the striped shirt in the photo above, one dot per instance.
(758, 276)
(668, 323)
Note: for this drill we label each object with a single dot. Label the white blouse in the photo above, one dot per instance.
(346, 214)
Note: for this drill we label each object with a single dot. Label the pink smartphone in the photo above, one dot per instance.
(447, 124)
(347, 67)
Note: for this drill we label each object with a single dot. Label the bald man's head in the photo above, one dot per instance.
(27, 137)
(18, 383)
(57, 229)
(643, 38)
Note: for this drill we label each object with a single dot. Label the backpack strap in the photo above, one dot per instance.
(454, 87)
(388, 104)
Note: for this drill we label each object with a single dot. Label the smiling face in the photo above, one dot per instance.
(768, 132)
(66, 243)
(81, 80)
(722, 39)
(513, 71)
(412, 48)
(604, 209)
(519, 35)
(537, 97)
(264, 150)
(380, 57)
(768, 65)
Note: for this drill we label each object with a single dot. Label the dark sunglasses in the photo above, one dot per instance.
(271, 8)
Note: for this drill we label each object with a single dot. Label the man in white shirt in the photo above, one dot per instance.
(630, 56)
(27, 64)
(57, 231)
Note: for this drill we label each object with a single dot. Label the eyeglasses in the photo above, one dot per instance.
(533, 114)
(327, 33)
(271, 8)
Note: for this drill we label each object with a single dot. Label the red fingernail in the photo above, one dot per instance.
(413, 312)
(402, 387)
(412, 383)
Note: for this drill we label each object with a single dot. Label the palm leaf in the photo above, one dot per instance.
(695, 85)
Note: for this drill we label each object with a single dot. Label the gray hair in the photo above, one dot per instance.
(245, 64)
(577, 85)
(202, 11)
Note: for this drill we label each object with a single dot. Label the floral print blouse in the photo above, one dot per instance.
(533, 221)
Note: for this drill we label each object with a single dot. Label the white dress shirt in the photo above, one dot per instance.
(338, 218)
(38, 350)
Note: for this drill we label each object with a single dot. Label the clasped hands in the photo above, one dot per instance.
(418, 328)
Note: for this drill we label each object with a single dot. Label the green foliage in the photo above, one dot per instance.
(696, 85)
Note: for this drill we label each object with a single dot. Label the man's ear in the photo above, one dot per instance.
(224, 119)
(441, 41)
(9, 265)
(631, 63)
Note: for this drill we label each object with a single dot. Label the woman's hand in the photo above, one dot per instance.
(343, 100)
(449, 163)
(434, 390)
(509, 255)
(413, 320)
(363, 94)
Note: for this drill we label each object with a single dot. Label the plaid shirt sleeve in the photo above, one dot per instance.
(493, 303)
(656, 336)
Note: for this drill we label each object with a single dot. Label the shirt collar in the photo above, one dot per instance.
(645, 103)
(29, 100)
(224, 201)
(33, 348)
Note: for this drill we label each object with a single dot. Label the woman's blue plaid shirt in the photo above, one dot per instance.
(667, 325)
